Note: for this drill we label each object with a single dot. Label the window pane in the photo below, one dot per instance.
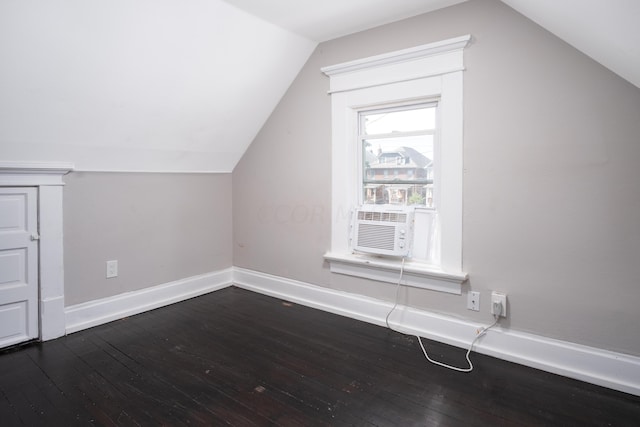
(399, 194)
(400, 121)
(399, 170)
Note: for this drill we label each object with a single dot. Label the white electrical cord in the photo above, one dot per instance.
(480, 332)
(386, 320)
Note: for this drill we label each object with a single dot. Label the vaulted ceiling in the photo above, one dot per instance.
(139, 85)
(606, 30)
(329, 19)
(168, 85)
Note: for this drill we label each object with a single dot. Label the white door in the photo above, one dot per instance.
(18, 265)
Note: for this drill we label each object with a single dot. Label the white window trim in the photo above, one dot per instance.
(429, 71)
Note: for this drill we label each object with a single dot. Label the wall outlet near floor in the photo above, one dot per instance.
(112, 269)
(499, 304)
(473, 301)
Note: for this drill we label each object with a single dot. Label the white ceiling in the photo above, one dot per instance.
(146, 85)
(606, 30)
(168, 85)
(328, 19)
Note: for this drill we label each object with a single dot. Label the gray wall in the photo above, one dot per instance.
(551, 198)
(160, 228)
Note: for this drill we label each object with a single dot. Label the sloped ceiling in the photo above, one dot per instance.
(139, 85)
(328, 19)
(169, 85)
(606, 30)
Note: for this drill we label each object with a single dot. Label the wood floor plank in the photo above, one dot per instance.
(163, 356)
(202, 393)
(482, 408)
(114, 382)
(172, 360)
(234, 357)
(8, 413)
(292, 385)
(357, 372)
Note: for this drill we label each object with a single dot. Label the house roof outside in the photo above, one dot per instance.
(411, 159)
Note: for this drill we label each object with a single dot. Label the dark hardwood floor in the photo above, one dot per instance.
(240, 358)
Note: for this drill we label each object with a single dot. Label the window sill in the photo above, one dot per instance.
(416, 274)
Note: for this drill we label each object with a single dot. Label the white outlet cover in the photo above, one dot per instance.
(497, 297)
(112, 269)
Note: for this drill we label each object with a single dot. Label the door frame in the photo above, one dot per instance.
(47, 177)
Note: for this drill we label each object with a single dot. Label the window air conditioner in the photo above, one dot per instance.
(382, 231)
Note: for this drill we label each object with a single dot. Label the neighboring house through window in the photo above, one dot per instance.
(399, 139)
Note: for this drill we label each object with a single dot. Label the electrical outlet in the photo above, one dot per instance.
(473, 301)
(498, 299)
(112, 269)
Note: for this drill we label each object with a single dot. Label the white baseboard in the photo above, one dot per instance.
(52, 324)
(97, 312)
(605, 368)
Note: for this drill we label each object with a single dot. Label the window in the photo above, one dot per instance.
(397, 139)
(401, 137)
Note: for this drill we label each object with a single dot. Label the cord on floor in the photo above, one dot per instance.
(481, 332)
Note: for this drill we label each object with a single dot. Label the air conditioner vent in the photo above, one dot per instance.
(376, 236)
(382, 216)
(383, 231)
